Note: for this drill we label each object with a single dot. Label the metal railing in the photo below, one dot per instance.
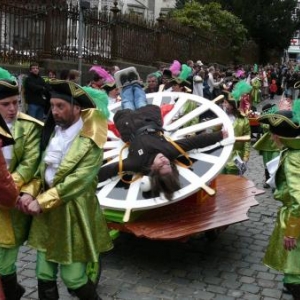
(33, 32)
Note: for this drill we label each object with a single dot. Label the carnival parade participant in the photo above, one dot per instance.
(266, 146)
(22, 159)
(150, 152)
(241, 126)
(8, 189)
(61, 197)
(112, 92)
(283, 251)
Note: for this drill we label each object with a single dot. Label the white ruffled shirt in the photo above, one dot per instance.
(58, 148)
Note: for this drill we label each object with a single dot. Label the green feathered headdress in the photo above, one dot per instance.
(240, 89)
(5, 75)
(100, 98)
(8, 84)
(185, 72)
(296, 111)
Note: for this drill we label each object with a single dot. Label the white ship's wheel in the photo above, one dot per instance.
(208, 162)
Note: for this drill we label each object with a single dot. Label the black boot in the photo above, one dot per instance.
(12, 289)
(267, 176)
(294, 289)
(87, 292)
(47, 290)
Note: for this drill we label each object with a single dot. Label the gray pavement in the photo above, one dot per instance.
(227, 268)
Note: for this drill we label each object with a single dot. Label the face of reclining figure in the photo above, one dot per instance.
(162, 164)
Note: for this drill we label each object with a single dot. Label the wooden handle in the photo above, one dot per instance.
(126, 216)
(208, 189)
(245, 138)
(217, 99)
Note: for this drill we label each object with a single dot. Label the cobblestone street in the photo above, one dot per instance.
(229, 267)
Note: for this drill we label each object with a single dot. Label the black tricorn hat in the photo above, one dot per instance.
(71, 92)
(8, 88)
(5, 134)
(109, 87)
(281, 123)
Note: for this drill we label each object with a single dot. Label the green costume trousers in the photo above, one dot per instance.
(73, 275)
(291, 278)
(8, 258)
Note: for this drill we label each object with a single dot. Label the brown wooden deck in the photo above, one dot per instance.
(235, 196)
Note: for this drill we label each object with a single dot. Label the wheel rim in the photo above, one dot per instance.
(119, 196)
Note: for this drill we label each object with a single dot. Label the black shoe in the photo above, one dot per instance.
(124, 79)
(12, 289)
(132, 76)
(285, 289)
(266, 186)
(87, 292)
(47, 290)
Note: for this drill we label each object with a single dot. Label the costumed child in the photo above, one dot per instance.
(241, 126)
(283, 251)
(266, 146)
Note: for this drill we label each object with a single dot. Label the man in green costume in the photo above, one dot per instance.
(283, 251)
(68, 228)
(22, 160)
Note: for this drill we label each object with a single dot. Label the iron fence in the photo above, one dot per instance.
(50, 29)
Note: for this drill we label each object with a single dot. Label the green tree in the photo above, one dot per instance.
(212, 18)
(271, 23)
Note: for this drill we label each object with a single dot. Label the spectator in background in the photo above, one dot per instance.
(64, 74)
(35, 92)
(114, 69)
(51, 74)
(74, 75)
(97, 82)
(152, 84)
(112, 92)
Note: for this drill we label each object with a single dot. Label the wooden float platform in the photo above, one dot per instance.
(235, 195)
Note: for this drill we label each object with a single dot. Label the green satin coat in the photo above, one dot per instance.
(267, 146)
(241, 127)
(25, 159)
(288, 192)
(72, 227)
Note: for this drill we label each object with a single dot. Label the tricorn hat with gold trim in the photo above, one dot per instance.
(282, 124)
(71, 92)
(8, 85)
